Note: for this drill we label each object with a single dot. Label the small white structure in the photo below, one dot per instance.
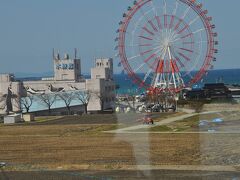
(12, 119)
(28, 117)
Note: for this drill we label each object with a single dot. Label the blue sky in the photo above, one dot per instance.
(31, 28)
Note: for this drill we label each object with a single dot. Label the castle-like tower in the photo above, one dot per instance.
(103, 69)
(67, 69)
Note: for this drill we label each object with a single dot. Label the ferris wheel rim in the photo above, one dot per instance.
(207, 27)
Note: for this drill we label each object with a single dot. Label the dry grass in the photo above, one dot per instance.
(73, 146)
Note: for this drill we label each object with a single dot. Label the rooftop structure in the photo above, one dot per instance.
(103, 69)
(6, 77)
(67, 68)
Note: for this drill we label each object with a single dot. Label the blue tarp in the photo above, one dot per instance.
(217, 120)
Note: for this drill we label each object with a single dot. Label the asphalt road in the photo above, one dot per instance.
(109, 175)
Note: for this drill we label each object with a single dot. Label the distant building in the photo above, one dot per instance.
(216, 91)
(213, 91)
(67, 78)
(102, 83)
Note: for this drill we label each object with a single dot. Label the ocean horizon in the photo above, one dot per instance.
(227, 76)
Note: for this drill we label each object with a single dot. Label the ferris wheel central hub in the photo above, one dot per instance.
(166, 38)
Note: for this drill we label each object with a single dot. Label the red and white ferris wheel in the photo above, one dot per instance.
(166, 44)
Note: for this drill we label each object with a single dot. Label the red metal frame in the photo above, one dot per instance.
(210, 38)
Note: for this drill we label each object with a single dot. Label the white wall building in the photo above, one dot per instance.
(102, 85)
(67, 77)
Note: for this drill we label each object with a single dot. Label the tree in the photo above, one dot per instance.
(16, 103)
(7, 101)
(83, 97)
(67, 98)
(101, 97)
(27, 102)
(2, 102)
(48, 100)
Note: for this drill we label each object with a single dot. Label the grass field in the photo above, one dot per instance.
(78, 142)
(231, 123)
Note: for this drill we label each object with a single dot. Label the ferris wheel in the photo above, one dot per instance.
(166, 44)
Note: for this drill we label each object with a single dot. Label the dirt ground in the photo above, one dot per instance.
(77, 143)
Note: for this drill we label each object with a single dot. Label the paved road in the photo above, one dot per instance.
(163, 122)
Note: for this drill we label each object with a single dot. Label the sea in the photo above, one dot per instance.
(126, 86)
(228, 76)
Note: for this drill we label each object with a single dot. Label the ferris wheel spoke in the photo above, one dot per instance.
(185, 49)
(148, 31)
(139, 55)
(185, 13)
(155, 63)
(184, 56)
(146, 38)
(150, 57)
(180, 62)
(200, 42)
(150, 50)
(171, 22)
(159, 23)
(146, 52)
(182, 67)
(153, 26)
(176, 8)
(178, 24)
(136, 24)
(181, 38)
(185, 36)
(145, 15)
(154, 9)
(165, 21)
(141, 45)
(199, 30)
(183, 29)
(134, 57)
(140, 67)
(147, 75)
(194, 20)
(165, 7)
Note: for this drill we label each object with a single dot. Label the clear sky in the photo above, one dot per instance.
(29, 29)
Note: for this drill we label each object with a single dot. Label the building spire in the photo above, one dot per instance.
(53, 54)
(75, 52)
(58, 55)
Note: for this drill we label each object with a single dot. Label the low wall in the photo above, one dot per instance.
(60, 111)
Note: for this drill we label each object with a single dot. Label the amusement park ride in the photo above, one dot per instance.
(166, 45)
